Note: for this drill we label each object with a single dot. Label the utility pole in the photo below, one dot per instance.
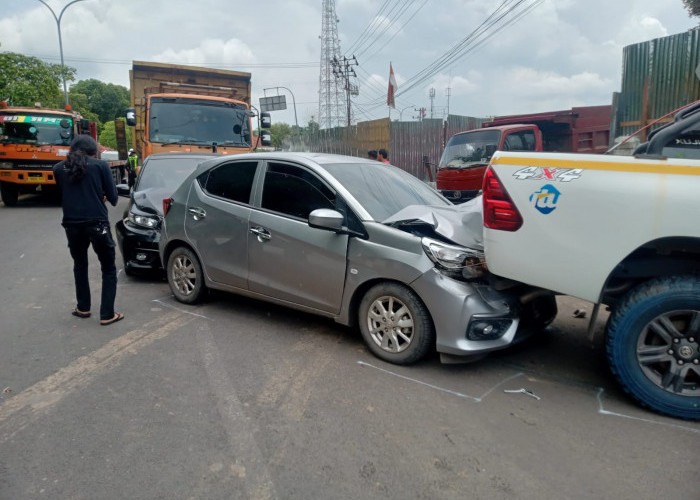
(343, 70)
(432, 98)
(448, 92)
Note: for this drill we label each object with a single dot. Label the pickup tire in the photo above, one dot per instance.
(653, 345)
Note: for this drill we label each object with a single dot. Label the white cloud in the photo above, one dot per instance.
(212, 51)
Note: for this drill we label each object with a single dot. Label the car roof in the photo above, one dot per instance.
(319, 158)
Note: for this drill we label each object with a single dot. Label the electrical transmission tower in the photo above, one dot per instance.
(331, 95)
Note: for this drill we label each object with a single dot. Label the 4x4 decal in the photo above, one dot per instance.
(548, 174)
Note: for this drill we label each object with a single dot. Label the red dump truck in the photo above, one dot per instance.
(463, 163)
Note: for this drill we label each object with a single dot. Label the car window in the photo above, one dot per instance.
(294, 191)
(232, 181)
(166, 173)
(520, 141)
(686, 145)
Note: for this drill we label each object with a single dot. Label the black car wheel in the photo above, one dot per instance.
(395, 324)
(653, 345)
(185, 276)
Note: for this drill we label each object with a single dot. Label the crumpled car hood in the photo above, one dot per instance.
(462, 224)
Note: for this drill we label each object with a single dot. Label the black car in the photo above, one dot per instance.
(138, 232)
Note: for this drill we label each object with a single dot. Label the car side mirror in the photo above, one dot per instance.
(325, 218)
(131, 117)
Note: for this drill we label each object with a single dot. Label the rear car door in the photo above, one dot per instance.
(287, 259)
(216, 221)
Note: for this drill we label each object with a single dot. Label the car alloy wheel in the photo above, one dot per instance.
(185, 276)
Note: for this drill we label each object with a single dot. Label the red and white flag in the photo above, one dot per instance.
(393, 87)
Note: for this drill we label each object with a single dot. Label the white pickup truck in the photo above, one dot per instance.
(614, 230)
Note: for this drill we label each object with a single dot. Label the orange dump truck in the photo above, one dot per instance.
(32, 141)
(190, 109)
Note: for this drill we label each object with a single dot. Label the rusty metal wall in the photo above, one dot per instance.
(658, 76)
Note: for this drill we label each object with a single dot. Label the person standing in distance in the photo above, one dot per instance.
(86, 183)
(383, 156)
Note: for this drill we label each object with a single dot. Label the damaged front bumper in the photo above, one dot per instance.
(470, 318)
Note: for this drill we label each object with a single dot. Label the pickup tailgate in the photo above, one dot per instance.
(583, 214)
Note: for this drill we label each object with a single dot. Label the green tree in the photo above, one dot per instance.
(279, 132)
(693, 7)
(79, 103)
(26, 80)
(108, 137)
(107, 100)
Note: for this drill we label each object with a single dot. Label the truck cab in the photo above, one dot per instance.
(460, 173)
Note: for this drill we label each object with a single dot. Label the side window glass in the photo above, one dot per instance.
(293, 191)
(686, 146)
(231, 181)
(528, 137)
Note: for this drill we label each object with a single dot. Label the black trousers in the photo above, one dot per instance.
(80, 237)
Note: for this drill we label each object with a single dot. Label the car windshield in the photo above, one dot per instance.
(383, 189)
(166, 173)
(473, 147)
(188, 121)
(36, 129)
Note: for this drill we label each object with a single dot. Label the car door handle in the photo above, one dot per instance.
(197, 213)
(262, 233)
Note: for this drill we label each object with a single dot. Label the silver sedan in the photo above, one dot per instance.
(359, 241)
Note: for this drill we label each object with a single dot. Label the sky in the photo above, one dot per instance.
(556, 55)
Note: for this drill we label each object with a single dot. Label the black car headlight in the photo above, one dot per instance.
(147, 221)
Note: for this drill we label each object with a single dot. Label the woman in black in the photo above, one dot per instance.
(86, 184)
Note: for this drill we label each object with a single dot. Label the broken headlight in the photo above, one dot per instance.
(453, 260)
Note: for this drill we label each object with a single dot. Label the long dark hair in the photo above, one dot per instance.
(81, 147)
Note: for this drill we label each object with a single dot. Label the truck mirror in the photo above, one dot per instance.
(265, 138)
(265, 120)
(131, 117)
(84, 126)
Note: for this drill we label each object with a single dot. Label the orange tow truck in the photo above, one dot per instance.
(32, 141)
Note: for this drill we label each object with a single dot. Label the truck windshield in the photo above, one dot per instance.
(465, 150)
(182, 121)
(35, 129)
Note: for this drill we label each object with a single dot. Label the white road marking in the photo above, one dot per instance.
(603, 411)
(478, 399)
(180, 310)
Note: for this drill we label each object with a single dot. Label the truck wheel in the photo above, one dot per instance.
(9, 194)
(395, 324)
(185, 276)
(653, 345)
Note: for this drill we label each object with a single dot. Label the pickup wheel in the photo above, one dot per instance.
(9, 193)
(395, 324)
(653, 345)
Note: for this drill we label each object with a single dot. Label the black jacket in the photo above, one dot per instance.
(83, 201)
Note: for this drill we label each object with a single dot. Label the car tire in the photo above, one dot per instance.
(395, 324)
(185, 276)
(9, 193)
(653, 345)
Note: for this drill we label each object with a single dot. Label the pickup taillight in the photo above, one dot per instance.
(167, 203)
(499, 210)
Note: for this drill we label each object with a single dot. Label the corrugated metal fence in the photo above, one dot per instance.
(658, 77)
(410, 144)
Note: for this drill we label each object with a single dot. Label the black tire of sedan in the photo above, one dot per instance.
(653, 345)
(185, 276)
(395, 324)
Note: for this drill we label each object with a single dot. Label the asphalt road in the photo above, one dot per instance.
(236, 398)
